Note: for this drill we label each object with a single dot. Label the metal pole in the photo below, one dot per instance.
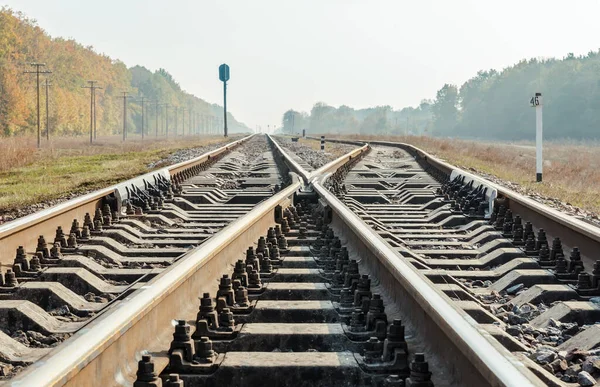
(538, 137)
(176, 119)
(225, 107)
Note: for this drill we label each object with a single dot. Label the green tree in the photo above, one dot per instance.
(445, 110)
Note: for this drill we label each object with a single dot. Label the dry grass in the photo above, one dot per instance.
(20, 151)
(571, 170)
(16, 152)
(70, 165)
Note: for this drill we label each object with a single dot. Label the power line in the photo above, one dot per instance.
(37, 72)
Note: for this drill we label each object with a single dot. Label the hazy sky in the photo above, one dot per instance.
(291, 54)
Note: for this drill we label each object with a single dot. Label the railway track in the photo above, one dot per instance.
(528, 281)
(246, 267)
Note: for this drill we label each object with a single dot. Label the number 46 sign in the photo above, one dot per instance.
(536, 102)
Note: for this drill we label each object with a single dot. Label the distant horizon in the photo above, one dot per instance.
(284, 56)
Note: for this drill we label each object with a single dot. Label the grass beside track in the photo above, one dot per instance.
(70, 166)
(571, 171)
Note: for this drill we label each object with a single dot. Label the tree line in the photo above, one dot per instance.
(491, 105)
(22, 42)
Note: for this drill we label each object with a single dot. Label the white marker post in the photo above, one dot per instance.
(536, 102)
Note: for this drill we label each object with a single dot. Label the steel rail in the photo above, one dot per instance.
(339, 162)
(496, 364)
(107, 351)
(332, 165)
(572, 231)
(499, 368)
(291, 163)
(25, 231)
(584, 228)
(123, 332)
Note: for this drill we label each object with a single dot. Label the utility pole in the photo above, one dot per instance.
(183, 121)
(92, 88)
(37, 72)
(176, 119)
(167, 119)
(125, 96)
(47, 85)
(94, 98)
(143, 102)
(156, 103)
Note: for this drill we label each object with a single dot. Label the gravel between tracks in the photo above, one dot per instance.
(314, 158)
